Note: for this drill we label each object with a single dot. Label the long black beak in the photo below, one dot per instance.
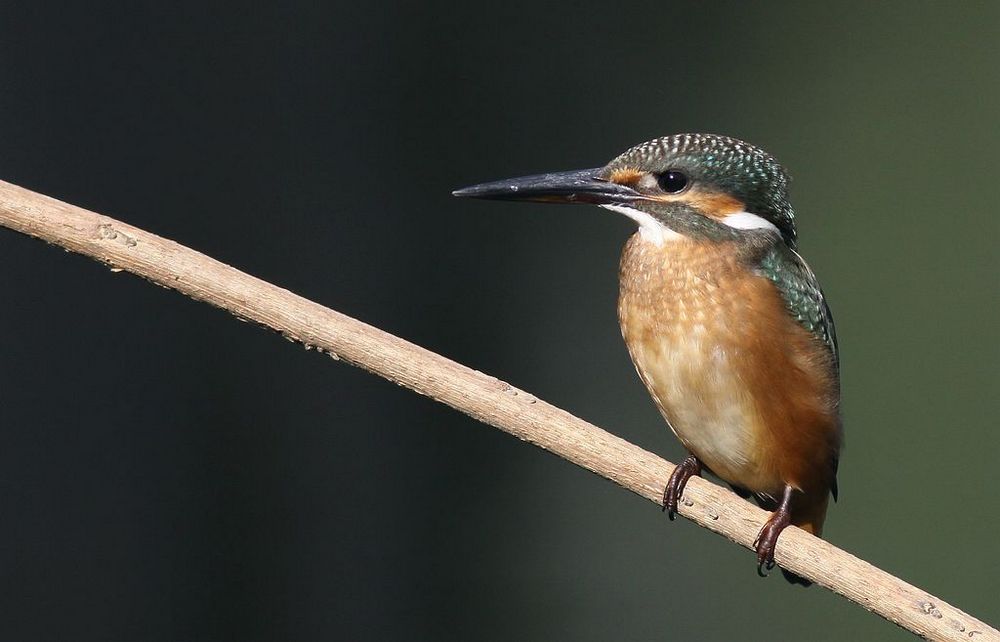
(581, 186)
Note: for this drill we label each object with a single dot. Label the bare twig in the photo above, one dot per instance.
(481, 396)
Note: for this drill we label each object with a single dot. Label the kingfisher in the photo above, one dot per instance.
(725, 322)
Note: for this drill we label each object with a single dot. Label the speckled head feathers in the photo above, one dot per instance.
(727, 164)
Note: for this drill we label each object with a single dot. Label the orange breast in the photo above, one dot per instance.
(744, 387)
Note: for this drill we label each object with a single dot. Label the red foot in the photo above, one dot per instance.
(675, 485)
(767, 539)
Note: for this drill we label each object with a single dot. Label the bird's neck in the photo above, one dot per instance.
(684, 266)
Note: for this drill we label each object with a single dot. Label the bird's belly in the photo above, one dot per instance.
(746, 389)
(698, 389)
(694, 326)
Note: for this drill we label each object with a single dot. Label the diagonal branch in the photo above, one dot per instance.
(478, 395)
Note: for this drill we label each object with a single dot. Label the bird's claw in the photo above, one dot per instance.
(678, 480)
(767, 538)
(764, 567)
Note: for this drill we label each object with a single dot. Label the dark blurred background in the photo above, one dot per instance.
(167, 473)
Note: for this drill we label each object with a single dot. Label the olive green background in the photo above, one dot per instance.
(169, 474)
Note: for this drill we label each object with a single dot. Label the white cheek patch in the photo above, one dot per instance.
(748, 221)
(650, 229)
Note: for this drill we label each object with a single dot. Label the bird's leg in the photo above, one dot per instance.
(675, 485)
(767, 539)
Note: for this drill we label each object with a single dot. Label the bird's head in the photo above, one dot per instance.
(701, 186)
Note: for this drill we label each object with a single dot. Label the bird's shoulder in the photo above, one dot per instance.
(801, 292)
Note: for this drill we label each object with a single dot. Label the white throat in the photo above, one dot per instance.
(649, 228)
(657, 233)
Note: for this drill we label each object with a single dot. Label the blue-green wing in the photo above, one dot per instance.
(800, 289)
(804, 298)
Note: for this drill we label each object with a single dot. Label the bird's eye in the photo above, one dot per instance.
(672, 181)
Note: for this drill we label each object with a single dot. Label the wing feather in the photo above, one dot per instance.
(804, 297)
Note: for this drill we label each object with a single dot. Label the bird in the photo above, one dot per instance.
(726, 324)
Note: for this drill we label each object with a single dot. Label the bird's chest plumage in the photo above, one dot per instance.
(705, 334)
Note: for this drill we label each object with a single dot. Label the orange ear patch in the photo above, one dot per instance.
(713, 204)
